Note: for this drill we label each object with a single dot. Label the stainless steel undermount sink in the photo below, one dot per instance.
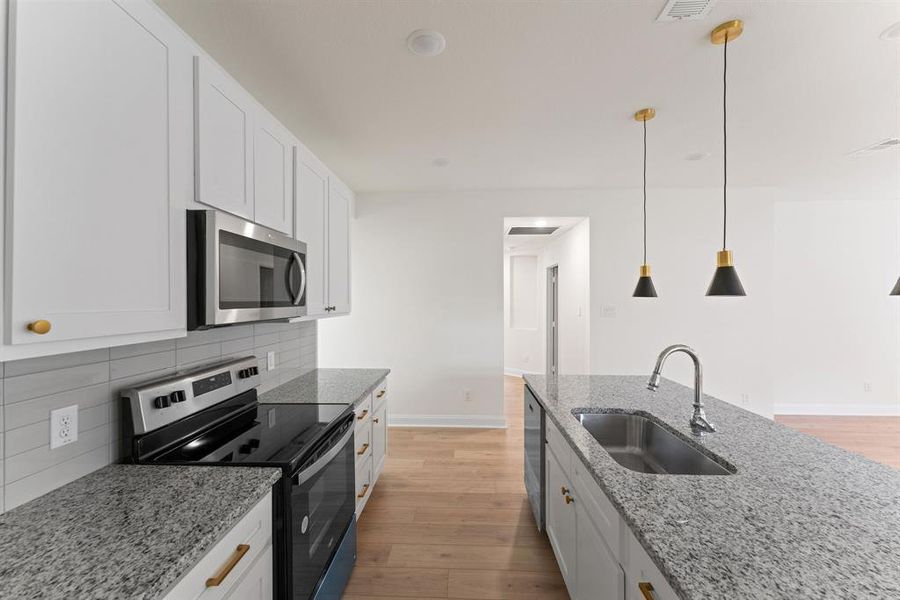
(639, 444)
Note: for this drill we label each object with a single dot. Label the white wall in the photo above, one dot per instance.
(428, 293)
(836, 327)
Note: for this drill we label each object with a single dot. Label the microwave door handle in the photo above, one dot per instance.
(313, 469)
(302, 291)
(296, 260)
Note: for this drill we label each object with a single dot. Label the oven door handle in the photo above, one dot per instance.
(313, 469)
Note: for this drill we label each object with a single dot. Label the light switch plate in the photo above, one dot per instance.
(63, 426)
(270, 360)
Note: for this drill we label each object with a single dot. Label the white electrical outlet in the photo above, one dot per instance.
(467, 395)
(63, 426)
(270, 360)
(745, 399)
(867, 387)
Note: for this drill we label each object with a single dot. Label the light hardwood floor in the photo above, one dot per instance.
(449, 517)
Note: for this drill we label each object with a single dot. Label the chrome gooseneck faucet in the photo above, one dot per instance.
(699, 423)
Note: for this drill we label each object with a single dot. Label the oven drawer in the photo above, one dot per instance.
(363, 412)
(379, 396)
(363, 442)
(363, 484)
(218, 573)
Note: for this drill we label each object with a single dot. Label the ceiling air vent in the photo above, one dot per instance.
(531, 230)
(685, 10)
(877, 147)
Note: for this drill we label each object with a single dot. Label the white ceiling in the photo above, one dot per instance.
(540, 94)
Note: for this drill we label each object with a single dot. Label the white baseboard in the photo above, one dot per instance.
(518, 372)
(476, 421)
(843, 410)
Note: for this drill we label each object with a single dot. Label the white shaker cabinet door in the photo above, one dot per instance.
(339, 203)
(312, 228)
(224, 141)
(598, 574)
(96, 163)
(273, 174)
(560, 519)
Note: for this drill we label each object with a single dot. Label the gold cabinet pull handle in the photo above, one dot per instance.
(375, 419)
(563, 490)
(647, 590)
(569, 499)
(362, 415)
(39, 327)
(235, 558)
(381, 393)
(363, 492)
(362, 450)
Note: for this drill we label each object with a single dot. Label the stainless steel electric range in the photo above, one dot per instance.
(211, 416)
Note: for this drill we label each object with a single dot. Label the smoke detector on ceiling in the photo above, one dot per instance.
(887, 144)
(685, 10)
(426, 42)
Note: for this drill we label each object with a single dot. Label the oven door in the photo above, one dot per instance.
(322, 507)
(252, 273)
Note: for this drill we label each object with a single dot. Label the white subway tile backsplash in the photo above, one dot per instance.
(94, 381)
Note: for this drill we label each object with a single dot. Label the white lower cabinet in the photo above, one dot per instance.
(371, 443)
(598, 556)
(239, 566)
(560, 519)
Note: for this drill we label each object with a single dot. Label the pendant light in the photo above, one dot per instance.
(725, 281)
(896, 290)
(645, 287)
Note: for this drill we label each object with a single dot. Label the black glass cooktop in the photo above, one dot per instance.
(279, 435)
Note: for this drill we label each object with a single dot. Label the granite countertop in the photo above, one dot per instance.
(125, 532)
(326, 386)
(799, 518)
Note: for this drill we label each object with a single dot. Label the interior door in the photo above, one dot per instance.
(99, 93)
(224, 144)
(338, 247)
(311, 227)
(273, 174)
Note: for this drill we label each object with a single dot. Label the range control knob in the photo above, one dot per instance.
(245, 449)
(254, 370)
(177, 396)
(254, 443)
(161, 402)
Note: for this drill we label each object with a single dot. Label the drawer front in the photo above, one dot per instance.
(362, 439)
(217, 573)
(257, 584)
(643, 579)
(363, 412)
(379, 396)
(363, 482)
(600, 510)
(557, 444)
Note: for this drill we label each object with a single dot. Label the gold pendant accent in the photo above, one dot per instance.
(724, 258)
(645, 270)
(730, 30)
(645, 114)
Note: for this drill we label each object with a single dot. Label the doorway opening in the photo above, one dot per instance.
(546, 295)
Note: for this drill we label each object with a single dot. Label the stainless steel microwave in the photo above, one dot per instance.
(239, 272)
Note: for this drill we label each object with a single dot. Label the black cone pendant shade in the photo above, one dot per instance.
(896, 290)
(645, 287)
(725, 280)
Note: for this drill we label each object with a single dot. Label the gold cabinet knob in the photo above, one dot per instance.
(375, 419)
(646, 589)
(569, 499)
(563, 490)
(39, 327)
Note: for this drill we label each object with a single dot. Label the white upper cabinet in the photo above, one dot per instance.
(224, 141)
(311, 228)
(96, 165)
(339, 207)
(273, 174)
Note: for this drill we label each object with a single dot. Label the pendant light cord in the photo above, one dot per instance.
(645, 192)
(725, 146)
